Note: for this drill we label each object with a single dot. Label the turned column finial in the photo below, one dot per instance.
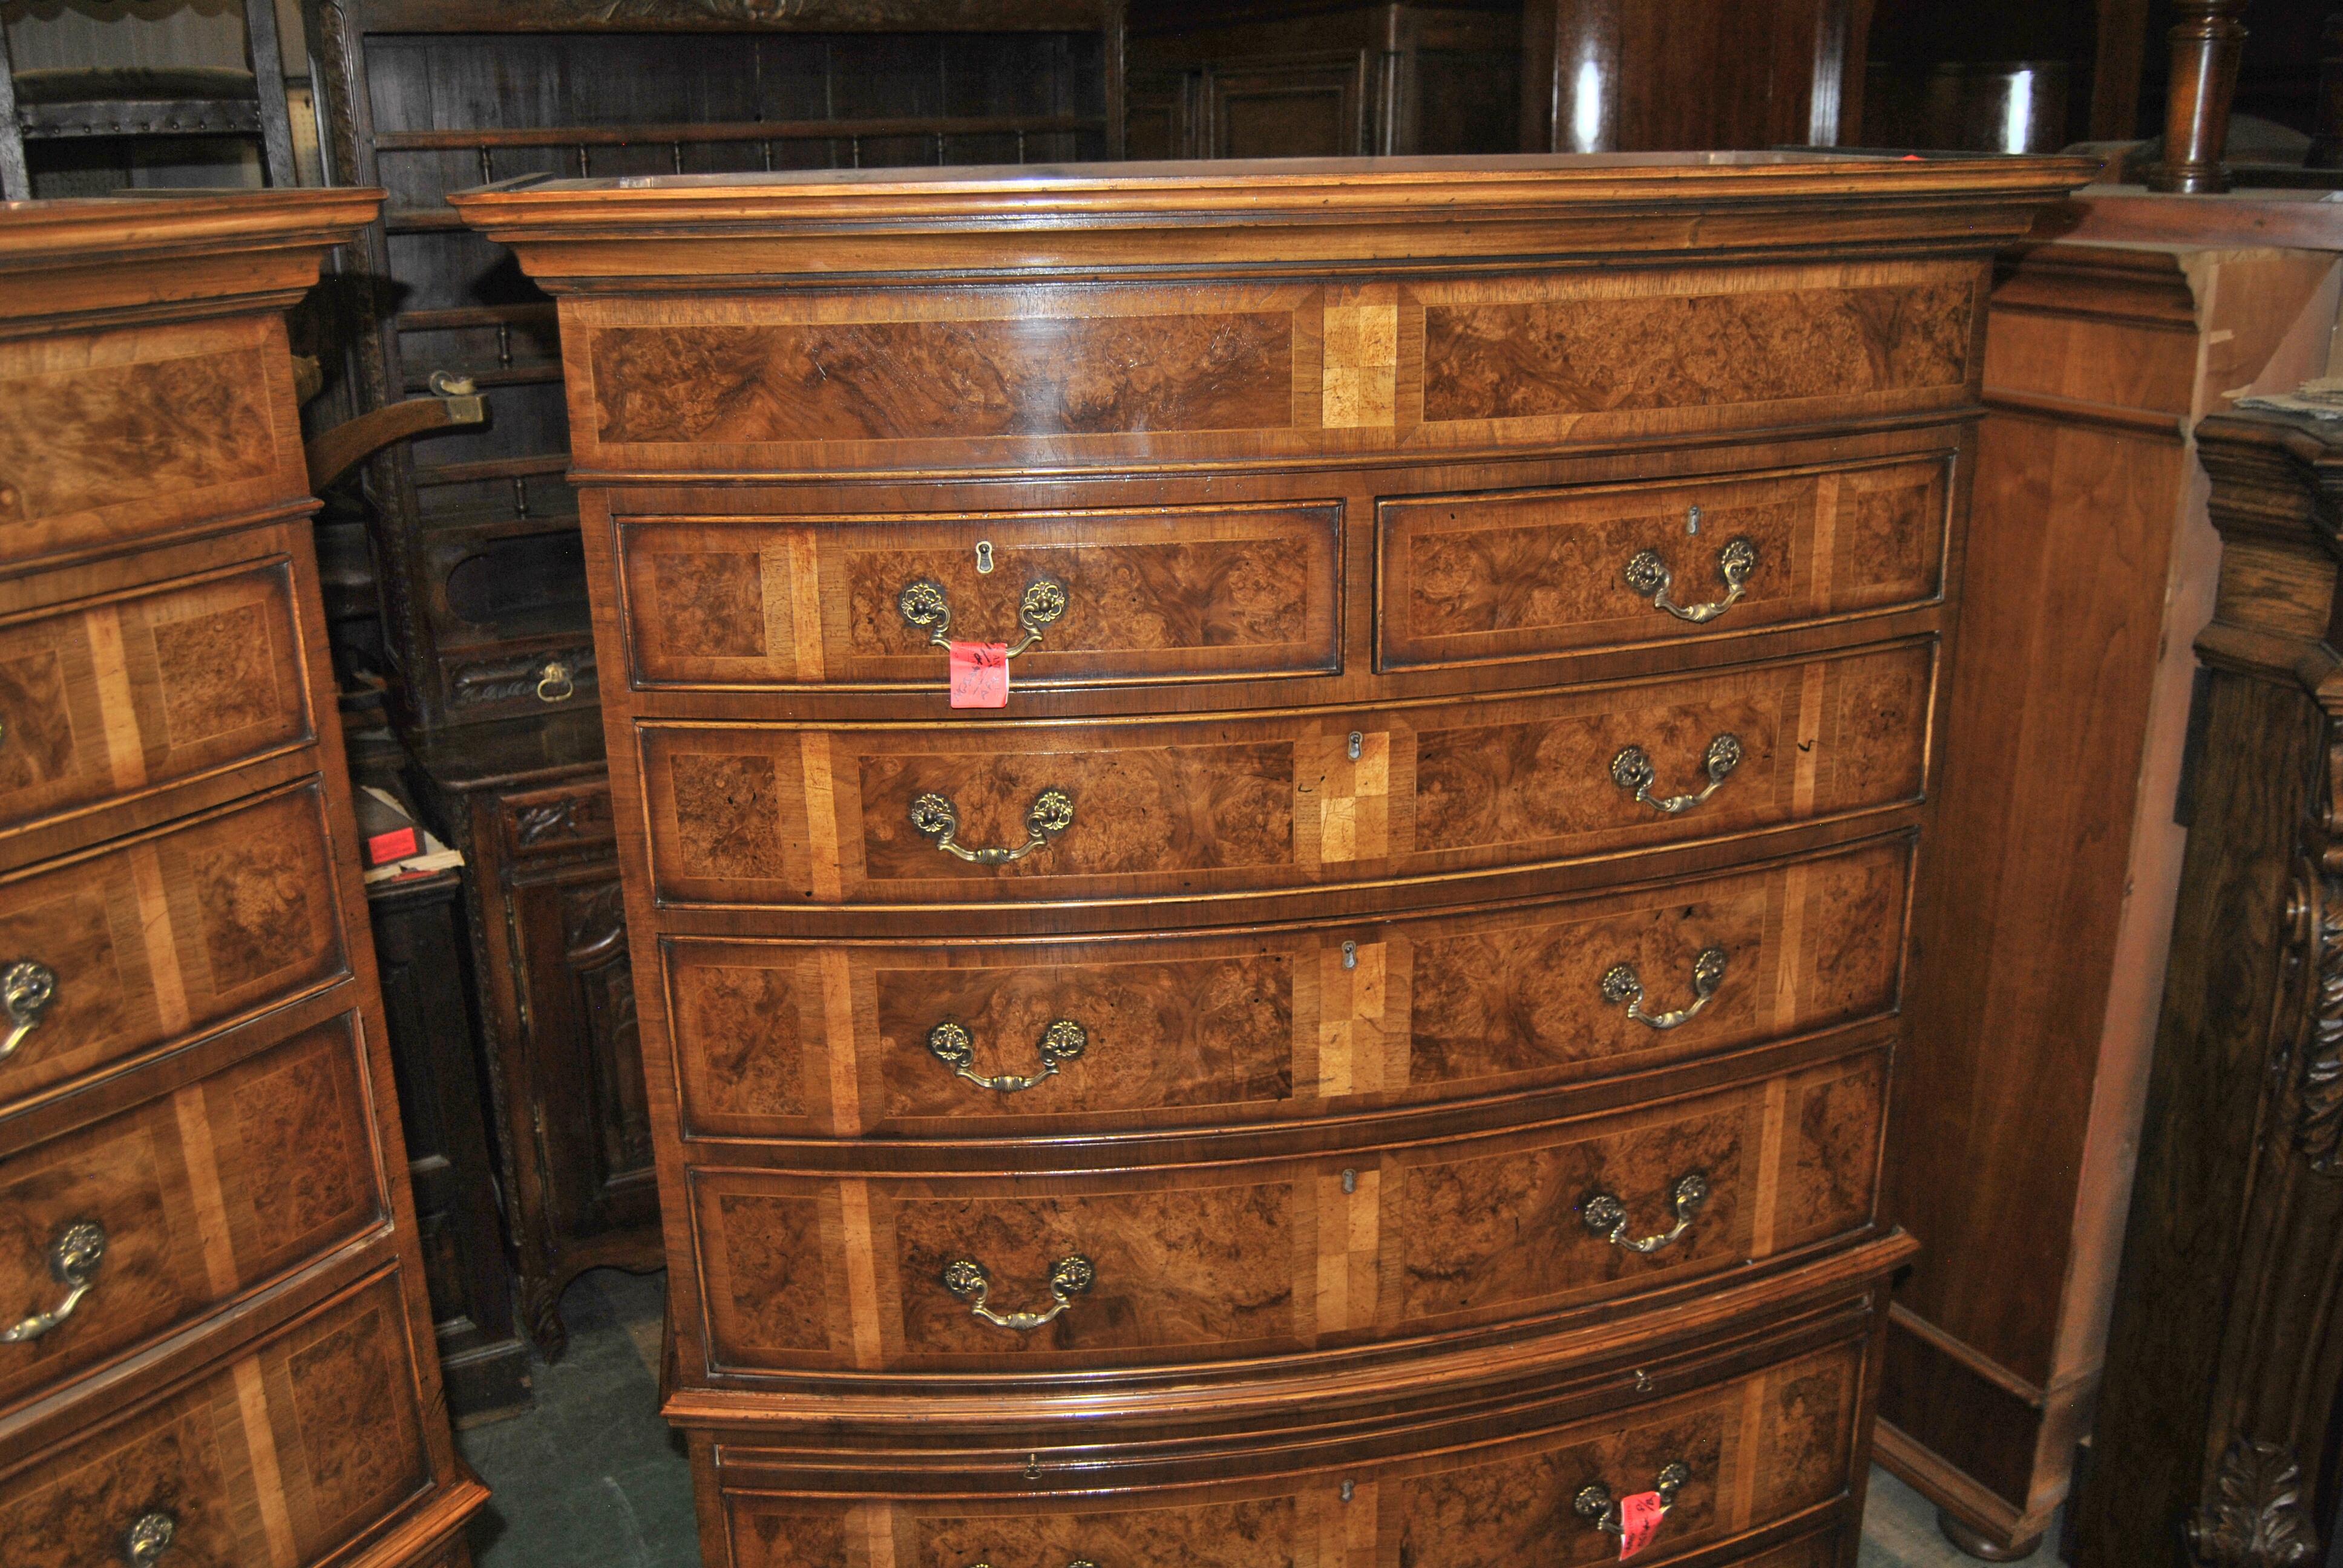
(2206, 43)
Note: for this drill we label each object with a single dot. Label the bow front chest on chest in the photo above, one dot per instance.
(1367, 1041)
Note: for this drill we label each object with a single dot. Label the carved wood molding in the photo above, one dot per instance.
(2255, 1519)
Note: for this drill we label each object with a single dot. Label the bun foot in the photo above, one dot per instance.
(1983, 1547)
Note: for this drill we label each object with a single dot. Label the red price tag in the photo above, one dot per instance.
(1639, 1520)
(979, 675)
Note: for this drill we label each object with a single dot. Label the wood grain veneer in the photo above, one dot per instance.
(1348, 863)
(195, 1067)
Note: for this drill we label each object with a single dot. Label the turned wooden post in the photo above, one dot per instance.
(2205, 44)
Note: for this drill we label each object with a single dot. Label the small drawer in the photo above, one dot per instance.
(306, 1440)
(1467, 579)
(1176, 594)
(127, 694)
(1751, 1452)
(880, 814)
(118, 436)
(108, 956)
(1188, 1264)
(125, 1229)
(1006, 1038)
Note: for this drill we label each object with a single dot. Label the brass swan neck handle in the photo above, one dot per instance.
(74, 1257)
(924, 606)
(27, 987)
(1063, 1039)
(1648, 575)
(1621, 983)
(1632, 771)
(1595, 1504)
(1051, 813)
(1069, 1278)
(1607, 1215)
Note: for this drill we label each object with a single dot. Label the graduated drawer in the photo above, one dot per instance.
(148, 688)
(1472, 578)
(1212, 1262)
(190, 1198)
(115, 437)
(158, 937)
(778, 814)
(794, 1039)
(1173, 593)
(1758, 1451)
(274, 1460)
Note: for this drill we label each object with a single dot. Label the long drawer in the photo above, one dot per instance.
(106, 957)
(276, 1460)
(1007, 1038)
(1201, 1262)
(1743, 1454)
(119, 1231)
(874, 814)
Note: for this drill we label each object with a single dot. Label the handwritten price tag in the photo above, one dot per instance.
(979, 675)
(1639, 1520)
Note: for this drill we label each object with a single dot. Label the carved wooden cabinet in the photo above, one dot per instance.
(2214, 1444)
(1378, 1052)
(530, 806)
(215, 1342)
(1300, 79)
(2039, 948)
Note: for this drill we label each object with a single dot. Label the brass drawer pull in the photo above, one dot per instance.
(73, 1258)
(1051, 813)
(1063, 1040)
(1606, 1216)
(26, 989)
(148, 1538)
(1632, 771)
(1621, 983)
(555, 683)
(1069, 1278)
(1648, 574)
(924, 606)
(1595, 1504)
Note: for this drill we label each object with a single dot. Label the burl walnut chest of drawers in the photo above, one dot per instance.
(215, 1348)
(1375, 1056)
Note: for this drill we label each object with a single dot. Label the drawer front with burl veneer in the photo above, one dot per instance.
(1032, 1038)
(1769, 1449)
(120, 1229)
(1056, 1270)
(1465, 579)
(108, 956)
(1078, 597)
(276, 1460)
(110, 699)
(779, 815)
(118, 436)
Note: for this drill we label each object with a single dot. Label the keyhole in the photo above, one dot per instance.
(1357, 741)
(1349, 955)
(1692, 521)
(1350, 1180)
(984, 555)
(1032, 1467)
(1348, 1490)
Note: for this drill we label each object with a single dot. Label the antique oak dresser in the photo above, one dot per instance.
(214, 1346)
(1375, 1050)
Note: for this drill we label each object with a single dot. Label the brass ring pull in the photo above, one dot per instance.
(1595, 1504)
(26, 989)
(1620, 983)
(1606, 1216)
(1069, 1278)
(555, 683)
(1648, 574)
(73, 1258)
(1063, 1040)
(149, 1537)
(925, 607)
(1632, 771)
(1051, 813)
